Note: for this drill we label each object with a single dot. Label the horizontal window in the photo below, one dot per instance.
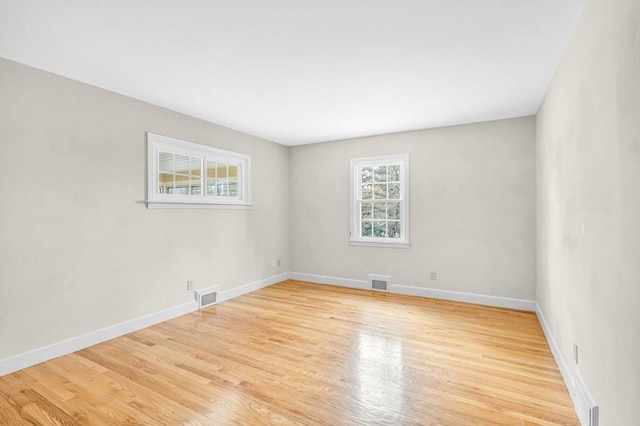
(185, 174)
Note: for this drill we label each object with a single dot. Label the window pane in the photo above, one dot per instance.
(211, 169)
(393, 210)
(196, 186)
(179, 189)
(181, 185)
(380, 191)
(379, 211)
(394, 229)
(366, 228)
(196, 166)
(222, 170)
(367, 192)
(222, 187)
(366, 210)
(394, 191)
(181, 163)
(367, 175)
(379, 229)
(165, 180)
(165, 162)
(233, 188)
(394, 173)
(213, 187)
(380, 174)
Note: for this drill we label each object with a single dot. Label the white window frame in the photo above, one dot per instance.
(157, 143)
(356, 165)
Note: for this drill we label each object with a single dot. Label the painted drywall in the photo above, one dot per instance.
(588, 207)
(472, 207)
(79, 250)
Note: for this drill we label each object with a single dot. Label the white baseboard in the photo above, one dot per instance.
(325, 279)
(458, 296)
(253, 286)
(582, 400)
(36, 356)
(502, 302)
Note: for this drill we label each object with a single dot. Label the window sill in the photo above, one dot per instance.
(402, 245)
(165, 205)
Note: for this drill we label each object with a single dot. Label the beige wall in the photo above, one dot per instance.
(78, 251)
(472, 209)
(588, 181)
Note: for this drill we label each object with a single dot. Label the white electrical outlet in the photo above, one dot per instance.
(275, 263)
(434, 276)
(189, 285)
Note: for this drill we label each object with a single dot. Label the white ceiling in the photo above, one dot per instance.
(297, 72)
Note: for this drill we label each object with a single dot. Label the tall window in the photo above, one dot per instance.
(183, 174)
(380, 201)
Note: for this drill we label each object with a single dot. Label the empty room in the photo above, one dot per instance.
(320, 212)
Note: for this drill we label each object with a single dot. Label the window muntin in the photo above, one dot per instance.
(183, 174)
(379, 201)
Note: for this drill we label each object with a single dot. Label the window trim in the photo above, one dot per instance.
(156, 143)
(355, 165)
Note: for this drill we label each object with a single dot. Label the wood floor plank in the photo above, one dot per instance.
(298, 353)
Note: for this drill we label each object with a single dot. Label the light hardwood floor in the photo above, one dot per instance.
(306, 354)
